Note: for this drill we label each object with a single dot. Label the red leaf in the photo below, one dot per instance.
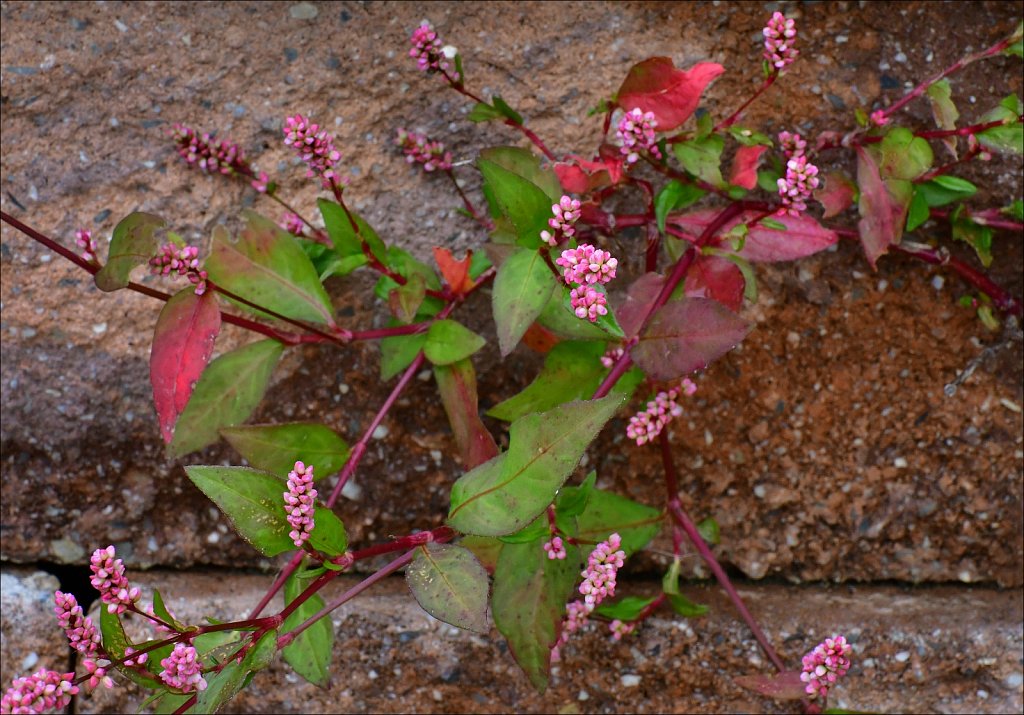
(457, 385)
(783, 686)
(182, 345)
(539, 339)
(655, 85)
(803, 236)
(716, 278)
(640, 297)
(456, 273)
(583, 176)
(744, 166)
(882, 215)
(685, 335)
(836, 195)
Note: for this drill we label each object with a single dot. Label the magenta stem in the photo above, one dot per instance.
(735, 116)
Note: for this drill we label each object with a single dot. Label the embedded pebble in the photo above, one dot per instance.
(99, 328)
(899, 463)
(938, 282)
(303, 11)
(584, 695)
(381, 432)
(29, 661)
(903, 656)
(629, 680)
(352, 491)
(1014, 680)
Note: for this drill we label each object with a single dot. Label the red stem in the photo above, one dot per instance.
(734, 117)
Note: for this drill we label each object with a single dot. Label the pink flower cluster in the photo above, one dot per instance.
(824, 665)
(611, 357)
(555, 549)
(210, 155)
(793, 145)
(418, 149)
(427, 50)
(108, 578)
(636, 132)
(46, 690)
(183, 260)
(779, 36)
(315, 146)
(798, 186)
(183, 669)
(598, 583)
(567, 213)
(645, 426)
(83, 239)
(291, 223)
(587, 266)
(621, 628)
(83, 637)
(300, 502)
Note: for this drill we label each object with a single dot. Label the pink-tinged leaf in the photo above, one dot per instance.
(457, 385)
(685, 335)
(456, 273)
(182, 344)
(655, 85)
(583, 177)
(744, 166)
(716, 278)
(782, 686)
(132, 244)
(836, 195)
(882, 215)
(639, 298)
(803, 236)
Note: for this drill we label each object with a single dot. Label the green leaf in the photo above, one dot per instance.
(1010, 136)
(527, 165)
(918, 212)
(626, 609)
(709, 530)
(536, 529)
(483, 112)
(227, 394)
(115, 643)
(1015, 210)
(405, 301)
(449, 341)
(164, 703)
(564, 324)
(943, 190)
(573, 502)
(311, 651)
(520, 200)
(702, 157)
(132, 244)
(528, 603)
(772, 224)
(276, 448)
(901, 155)
(685, 607)
(268, 267)
(768, 180)
(609, 513)
(606, 323)
(220, 688)
(160, 609)
(398, 352)
(503, 495)
(572, 371)
(944, 111)
(253, 501)
(451, 585)
(674, 196)
(456, 384)
(345, 239)
(968, 230)
(522, 288)
(505, 110)
(747, 137)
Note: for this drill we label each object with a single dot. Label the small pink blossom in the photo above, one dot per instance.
(183, 669)
(292, 223)
(636, 133)
(646, 425)
(108, 578)
(46, 690)
(611, 357)
(779, 38)
(567, 212)
(555, 548)
(793, 145)
(209, 154)
(824, 665)
(587, 265)
(315, 146)
(261, 183)
(588, 302)
(300, 502)
(418, 149)
(142, 657)
(621, 628)
(689, 386)
(83, 239)
(426, 49)
(97, 670)
(798, 186)
(81, 632)
(878, 118)
(174, 259)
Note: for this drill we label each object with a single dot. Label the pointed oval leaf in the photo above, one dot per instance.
(685, 607)
(524, 203)
(450, 341)
(685, 335)
(803, 235)
(781, 686)
(507, 493)
(456, 384)
(116, 642)
(220, 687)
(267, 266)
(451, 585)
(883, 214)
(745, 165)
(276, 448)
(182, 345)
(311, 652)
(655, 85)
(348, 242)
(522, 288)
(132, 245)
(398, 352)
(526, 164)
(227, 393)
(607, 513)
(702, 158)
(716, 278)
(836, 194)
(528, 603)
(626, 609)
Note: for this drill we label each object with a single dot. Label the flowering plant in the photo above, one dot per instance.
(521, 531)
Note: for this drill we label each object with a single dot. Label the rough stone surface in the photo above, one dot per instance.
(29, 637)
